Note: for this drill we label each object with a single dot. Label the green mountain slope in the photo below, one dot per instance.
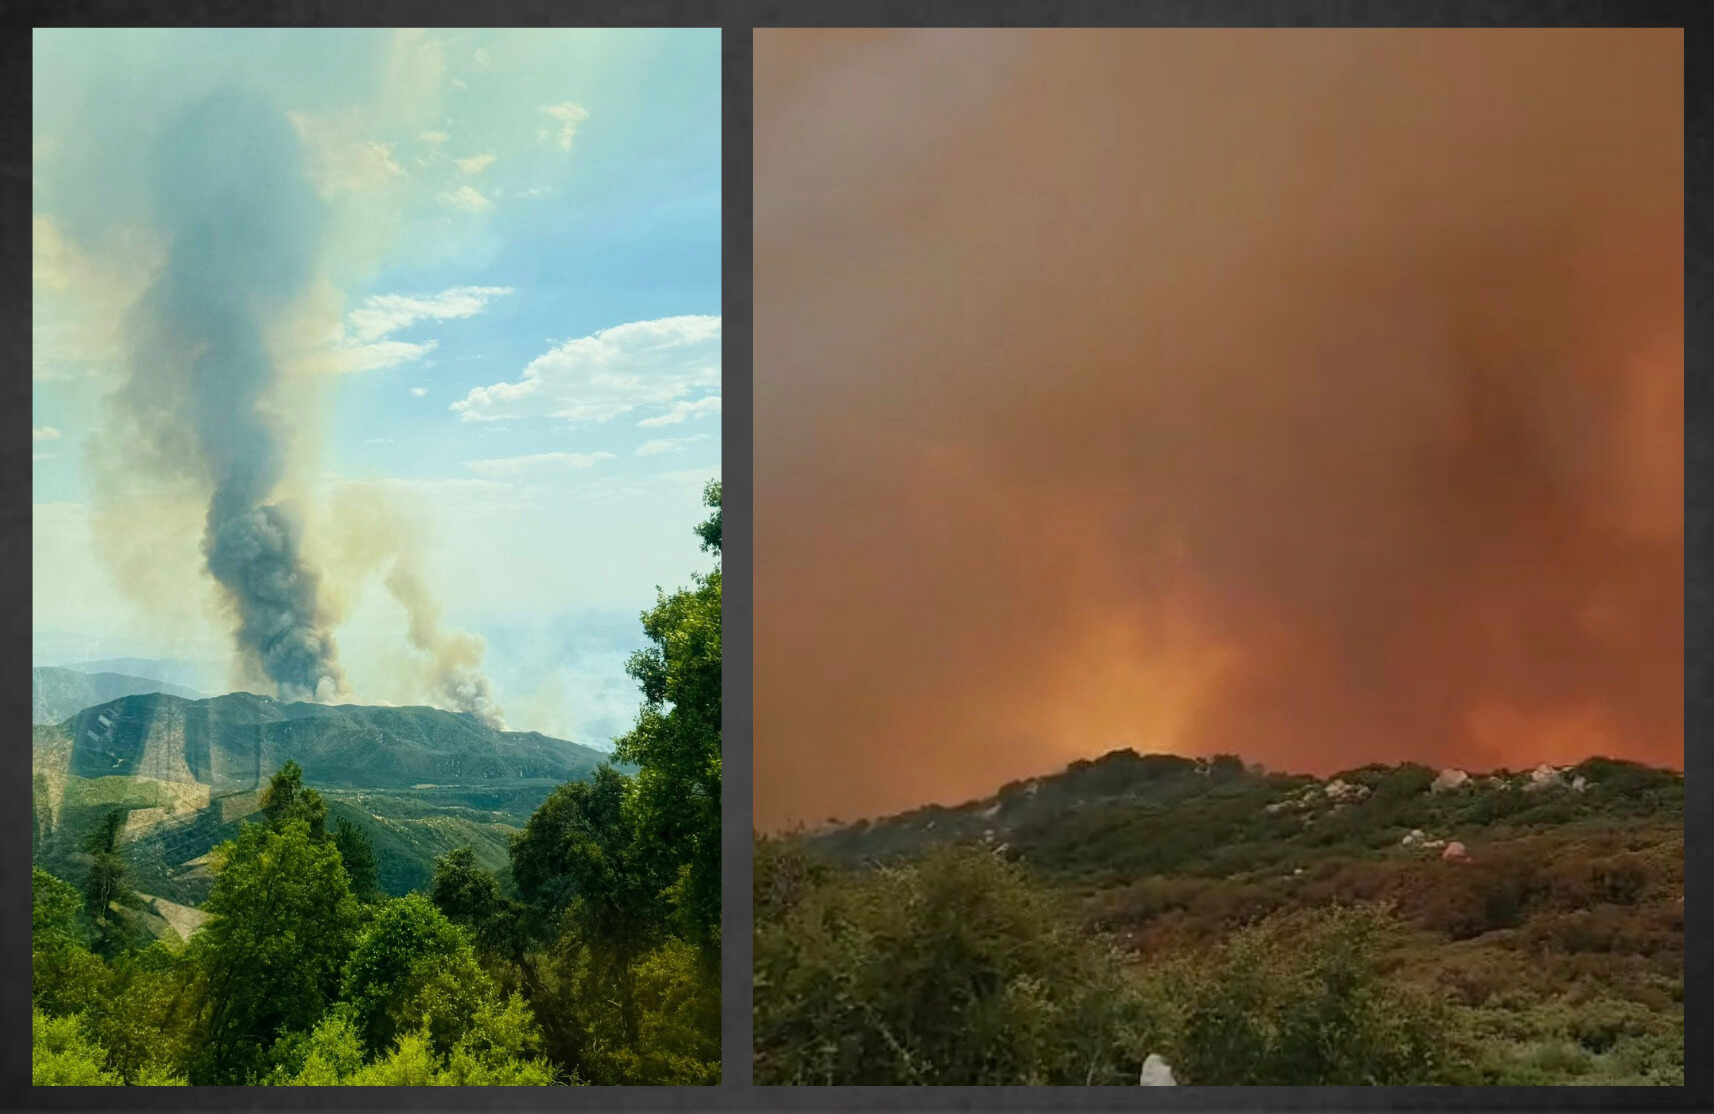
(419, 781)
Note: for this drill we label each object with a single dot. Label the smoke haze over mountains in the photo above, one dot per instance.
(1314, 396)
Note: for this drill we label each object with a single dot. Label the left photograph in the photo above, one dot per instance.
(376, 557)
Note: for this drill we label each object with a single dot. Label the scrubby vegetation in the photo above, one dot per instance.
(592, 957)
(1251, 928)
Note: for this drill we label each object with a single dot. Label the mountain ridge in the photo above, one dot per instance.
(419, 781)
(235, 741)
(58, 692)
(1121, 802)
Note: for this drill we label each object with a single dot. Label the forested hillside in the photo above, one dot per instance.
(579, 946)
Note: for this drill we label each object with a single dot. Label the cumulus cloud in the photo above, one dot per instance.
(46, 433)
(383, 314)
(612, 372)
(569, 116)
(419, 391)
(467, 198)
(362, 343)
(668, 445)
(536, 462)
(434, 137)
(475, 164)
(682, 410)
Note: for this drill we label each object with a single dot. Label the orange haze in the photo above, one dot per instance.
(1311, 395)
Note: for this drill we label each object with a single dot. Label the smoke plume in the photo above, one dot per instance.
(242, 227)
(210, 411)
(1313, 396)
(375, 531)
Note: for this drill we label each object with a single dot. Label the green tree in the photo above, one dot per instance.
(285, 799)
(63, 1055)
(65, 977)
(358, 856)
(676, 743)
(282, 919)
(407, 955)
(471, 897)
(104, 889)
(54, 906)
(579, 858)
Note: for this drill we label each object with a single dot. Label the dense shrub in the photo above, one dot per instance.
(1299, 1000)
(954, 970)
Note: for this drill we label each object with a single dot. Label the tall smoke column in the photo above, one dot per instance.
(243, 228)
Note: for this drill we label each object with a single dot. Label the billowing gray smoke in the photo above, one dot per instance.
(243, 229)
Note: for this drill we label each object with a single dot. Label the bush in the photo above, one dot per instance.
(1298, 1000)
(954, 970)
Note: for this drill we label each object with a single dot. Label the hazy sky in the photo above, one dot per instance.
(1315, 396)
(508, 350)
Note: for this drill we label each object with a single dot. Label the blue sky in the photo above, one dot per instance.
(512, 340)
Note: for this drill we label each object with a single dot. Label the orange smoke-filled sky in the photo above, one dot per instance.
(1315, 396)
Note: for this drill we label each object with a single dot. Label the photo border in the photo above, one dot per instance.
(736, 21)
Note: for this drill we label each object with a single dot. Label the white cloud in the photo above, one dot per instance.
(681, 410)
(569, 116)
(668, 445)
(384, 314)
(533, 191)
(518, 465)
(464, 197)
(617, 370)
(419, 391)
(46, 433)
(480, 59)
(361, 343)
(475, 164)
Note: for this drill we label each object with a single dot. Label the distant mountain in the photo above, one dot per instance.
(197, 675)
(420, 781)
(57, 693)
(235, 742)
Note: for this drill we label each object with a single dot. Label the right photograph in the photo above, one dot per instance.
(1219, 557)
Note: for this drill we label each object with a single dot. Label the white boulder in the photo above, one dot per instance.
(1544, 777)
(1449, 779)
(1156, 1072)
